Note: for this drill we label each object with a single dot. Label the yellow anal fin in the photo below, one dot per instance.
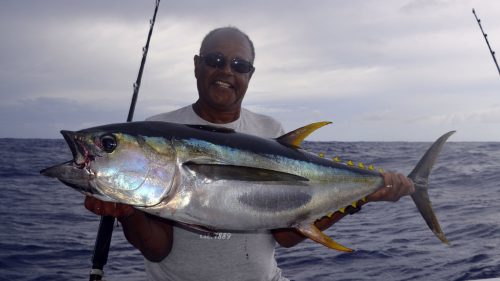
(296, 137)
(313, 233)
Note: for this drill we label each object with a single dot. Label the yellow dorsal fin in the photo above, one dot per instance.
(312, 232)
(296, 137)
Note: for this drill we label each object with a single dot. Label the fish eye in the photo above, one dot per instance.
(108, 143)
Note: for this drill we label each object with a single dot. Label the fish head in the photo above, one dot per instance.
(118, 167)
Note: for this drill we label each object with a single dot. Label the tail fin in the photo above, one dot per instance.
(420, 178)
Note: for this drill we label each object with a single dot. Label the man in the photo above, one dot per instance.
(223, 70)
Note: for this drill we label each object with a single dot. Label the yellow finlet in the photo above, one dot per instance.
(336, 159)
(312, 232)
(296, 137)
(350, 163)
(342, 210)
(371, 168)
(360, 165)
(381, 170)
(322, 155)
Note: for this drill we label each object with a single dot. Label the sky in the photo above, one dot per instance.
(389, 70)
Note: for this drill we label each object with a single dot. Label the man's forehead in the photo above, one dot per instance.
(227, 39)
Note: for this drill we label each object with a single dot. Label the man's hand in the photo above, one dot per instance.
(103, 208)
(396, 185)
(151, 235)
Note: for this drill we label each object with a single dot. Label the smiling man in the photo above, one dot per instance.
(223, 69)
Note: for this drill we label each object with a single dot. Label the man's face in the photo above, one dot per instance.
(223, 88)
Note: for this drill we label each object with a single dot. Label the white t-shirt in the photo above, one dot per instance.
(225, 256)
(249, 122)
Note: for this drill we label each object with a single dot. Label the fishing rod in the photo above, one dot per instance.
(145, 49)
(103, 240)
(486, 38)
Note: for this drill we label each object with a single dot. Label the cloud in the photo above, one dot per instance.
(365, 65)
(489, 115)
(417, 6)
(44, 117)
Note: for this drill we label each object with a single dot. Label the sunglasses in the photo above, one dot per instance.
(217, 60)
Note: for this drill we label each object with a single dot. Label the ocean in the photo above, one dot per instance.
(47, 234)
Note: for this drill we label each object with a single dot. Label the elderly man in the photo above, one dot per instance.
(223, 70)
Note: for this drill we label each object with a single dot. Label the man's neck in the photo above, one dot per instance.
(216, 116)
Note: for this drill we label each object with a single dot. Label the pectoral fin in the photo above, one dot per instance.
(231, 172)
(202, 229)
(312, 232)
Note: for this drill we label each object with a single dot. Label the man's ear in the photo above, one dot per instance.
(197, 62)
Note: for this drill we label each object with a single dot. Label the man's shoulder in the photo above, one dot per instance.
(259, 117)
(267, 125)
(182, 113)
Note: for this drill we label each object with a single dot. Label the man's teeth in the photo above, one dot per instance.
(222, 84)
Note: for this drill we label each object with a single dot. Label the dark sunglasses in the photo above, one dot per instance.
(217, 60)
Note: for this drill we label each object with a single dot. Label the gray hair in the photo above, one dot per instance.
(231, 28)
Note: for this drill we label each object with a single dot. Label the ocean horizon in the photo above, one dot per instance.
(47, 234)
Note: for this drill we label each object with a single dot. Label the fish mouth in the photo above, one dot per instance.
(81, 155)
(72, 176)
(75, 173)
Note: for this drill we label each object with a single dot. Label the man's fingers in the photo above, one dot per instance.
(124, 210)
(397, 185)
(387, 179)
(103, 208)
(407, 187)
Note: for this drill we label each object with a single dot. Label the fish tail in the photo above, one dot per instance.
(420, 178)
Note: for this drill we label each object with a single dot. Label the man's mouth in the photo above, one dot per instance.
(223, 84)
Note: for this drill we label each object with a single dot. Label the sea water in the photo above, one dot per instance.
(47, 234)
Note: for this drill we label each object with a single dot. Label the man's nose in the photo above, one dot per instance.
(227, 68)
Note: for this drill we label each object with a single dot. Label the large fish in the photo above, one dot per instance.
(219, 179)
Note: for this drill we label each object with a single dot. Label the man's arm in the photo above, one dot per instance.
(151, 235)
(395, 187)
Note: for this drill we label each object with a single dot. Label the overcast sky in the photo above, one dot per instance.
(379, 70)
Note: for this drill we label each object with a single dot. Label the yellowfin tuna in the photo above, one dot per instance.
(224, 180)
